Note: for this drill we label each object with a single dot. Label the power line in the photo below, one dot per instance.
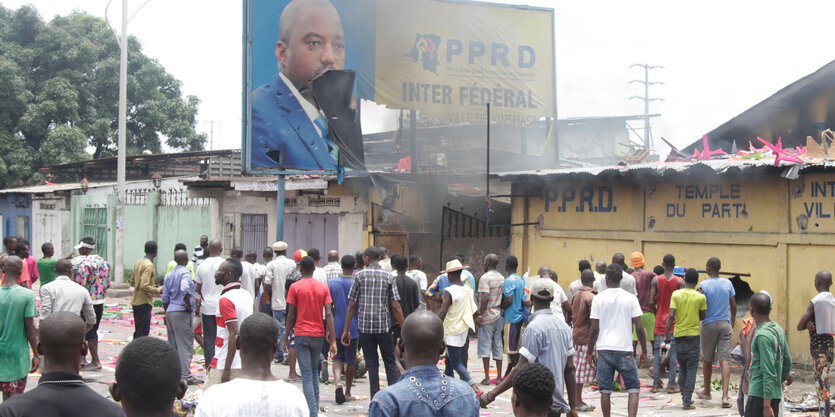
(646, 98)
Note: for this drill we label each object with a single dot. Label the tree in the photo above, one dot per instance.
(59, 95)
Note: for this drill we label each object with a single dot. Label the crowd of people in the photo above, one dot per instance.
(290, 310)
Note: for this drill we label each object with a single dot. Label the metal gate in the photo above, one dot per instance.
(305, 231)
(95, 226)
(254, 234)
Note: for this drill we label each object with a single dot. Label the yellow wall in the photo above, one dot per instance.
(749, 222)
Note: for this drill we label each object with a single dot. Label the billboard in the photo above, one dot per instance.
(308, 62)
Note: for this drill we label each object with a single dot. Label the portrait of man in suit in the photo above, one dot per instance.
(289, 126)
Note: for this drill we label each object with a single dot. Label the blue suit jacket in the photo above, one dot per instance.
(280, 126)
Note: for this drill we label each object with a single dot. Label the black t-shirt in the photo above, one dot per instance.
(60, 394)
(409, 293)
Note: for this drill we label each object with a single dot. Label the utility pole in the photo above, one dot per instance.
(119, 244)
(122, 40)
(646, 98)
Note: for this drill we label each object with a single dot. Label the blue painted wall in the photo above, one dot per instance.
(12, 206)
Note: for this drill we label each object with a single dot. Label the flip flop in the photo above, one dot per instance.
(585, 408)
(726, 404)
(701, 394)
(485, 381)
(340, 394)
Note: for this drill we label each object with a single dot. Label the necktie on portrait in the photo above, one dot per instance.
(322, 124)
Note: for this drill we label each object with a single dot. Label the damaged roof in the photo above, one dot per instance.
(803, 108)
(787, 170)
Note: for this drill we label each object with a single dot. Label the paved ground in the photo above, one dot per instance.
(117, 327)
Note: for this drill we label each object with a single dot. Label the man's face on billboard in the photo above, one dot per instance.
(311, 42)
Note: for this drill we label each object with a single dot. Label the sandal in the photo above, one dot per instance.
(702, 396)
(585, 408)
(485, 381)
(726, 404)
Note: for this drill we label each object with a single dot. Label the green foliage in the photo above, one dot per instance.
(127, 275)
(59, 95)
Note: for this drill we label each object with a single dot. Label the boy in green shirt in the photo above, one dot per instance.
(771, 361)
(46, 265)
(173, 264)
(17, 327)
(687, 309)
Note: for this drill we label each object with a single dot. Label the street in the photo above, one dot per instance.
(117, 328)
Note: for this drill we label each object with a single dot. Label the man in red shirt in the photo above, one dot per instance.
(660, 294)
(305, 301)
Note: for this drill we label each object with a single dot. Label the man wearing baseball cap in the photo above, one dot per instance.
(546, 340)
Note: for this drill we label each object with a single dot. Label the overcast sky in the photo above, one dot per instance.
(719, 57)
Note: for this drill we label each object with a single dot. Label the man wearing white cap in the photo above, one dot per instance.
(93, 273)
(277, 271)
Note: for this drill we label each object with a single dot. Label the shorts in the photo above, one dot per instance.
(291, 339)
(583, 370)
(93, 333)
(648, 320)
(609, 361)
(490, 339)
(215, 375)
(512, 337)
(346, 354)
(14, 387)
(716, 341)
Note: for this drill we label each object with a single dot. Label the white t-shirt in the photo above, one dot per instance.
(559, 298)
(247, 397)
(420, 278)
(615, 308)
(248, 277)
(210, 291)
(320, 275)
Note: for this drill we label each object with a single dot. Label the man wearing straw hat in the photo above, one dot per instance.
(457, 312)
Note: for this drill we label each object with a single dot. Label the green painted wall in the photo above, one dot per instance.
(166, 225)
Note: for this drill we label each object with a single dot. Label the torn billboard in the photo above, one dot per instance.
(446, 59)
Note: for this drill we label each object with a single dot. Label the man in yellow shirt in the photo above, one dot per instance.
(142, 280)
(687, 309)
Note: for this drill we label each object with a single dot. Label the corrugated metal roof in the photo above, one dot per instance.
(662, 168)
(47, 188)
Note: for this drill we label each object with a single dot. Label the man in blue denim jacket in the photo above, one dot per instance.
(424, 391)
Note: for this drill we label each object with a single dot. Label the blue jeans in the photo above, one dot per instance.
(209, 337)
(308, 349)
(656, 362)
(688, 359)
(369, 342)
(280, 317)
(609, 361)
(456, 363)
(490, 339)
